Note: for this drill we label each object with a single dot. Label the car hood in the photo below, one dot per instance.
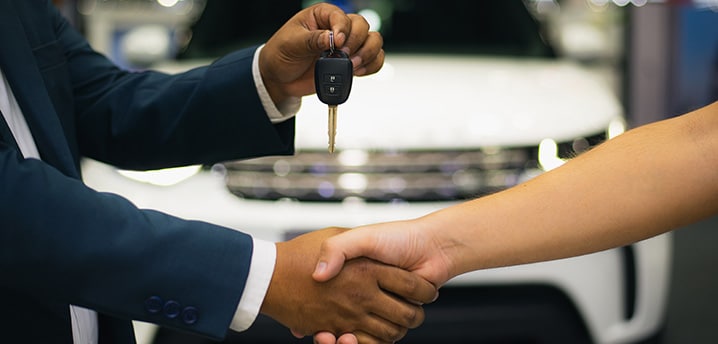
(442, 102)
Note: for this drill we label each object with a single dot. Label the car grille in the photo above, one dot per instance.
(387, 176)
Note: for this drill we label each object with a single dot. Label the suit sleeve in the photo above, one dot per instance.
(63, 241)
(149, 119)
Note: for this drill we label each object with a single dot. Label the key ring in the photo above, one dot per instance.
(331, 42)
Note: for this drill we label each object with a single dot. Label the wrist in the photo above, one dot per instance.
(273, 86)
(451, 250)
(276, 92)
(271, 305)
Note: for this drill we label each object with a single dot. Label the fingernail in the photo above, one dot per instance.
(321, 267)
(356, 61)
(346, 51)
(339, 37)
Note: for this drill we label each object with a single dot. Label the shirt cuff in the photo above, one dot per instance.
(277, 113)
(261, 268)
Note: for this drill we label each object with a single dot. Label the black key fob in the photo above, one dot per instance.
(333, 74)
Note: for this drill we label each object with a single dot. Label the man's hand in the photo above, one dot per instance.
(409, 245)
(367, 298)
(287, 60)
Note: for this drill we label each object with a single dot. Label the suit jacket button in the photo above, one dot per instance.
(190, 315)
(171, 309)
(153, 304)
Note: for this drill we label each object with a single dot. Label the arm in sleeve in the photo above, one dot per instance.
(148, 119)
(66, 242)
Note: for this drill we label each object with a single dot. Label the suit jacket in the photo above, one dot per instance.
(63, 243)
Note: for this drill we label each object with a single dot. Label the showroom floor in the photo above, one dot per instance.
(693, 302)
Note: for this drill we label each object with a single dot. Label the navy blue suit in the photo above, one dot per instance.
(62, 243)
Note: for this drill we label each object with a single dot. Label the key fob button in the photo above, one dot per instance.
(333, 90)
(333, 78)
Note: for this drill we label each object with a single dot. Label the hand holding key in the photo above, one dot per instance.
(333, 82)
(287, 60)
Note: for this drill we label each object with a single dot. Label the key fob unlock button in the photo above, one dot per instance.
(333, 78)
(333, 90)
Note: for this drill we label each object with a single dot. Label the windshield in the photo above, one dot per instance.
(501, 27)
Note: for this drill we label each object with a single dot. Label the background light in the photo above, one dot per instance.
(163, 177)
(548, 155)
(373, 18)
(167, 3)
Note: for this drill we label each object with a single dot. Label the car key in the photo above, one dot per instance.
(333, 73)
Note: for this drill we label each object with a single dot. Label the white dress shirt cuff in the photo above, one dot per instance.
(277, 112)
(261, 269)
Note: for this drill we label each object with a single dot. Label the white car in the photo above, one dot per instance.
(430, 130)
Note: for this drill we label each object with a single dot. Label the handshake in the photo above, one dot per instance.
(366, 302)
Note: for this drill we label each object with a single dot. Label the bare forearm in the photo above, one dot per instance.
(645, 182)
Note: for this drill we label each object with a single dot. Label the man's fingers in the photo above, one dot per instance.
(318, 40)
(408, 285)
(406, 293)
(312, 28)
(380, 330)
(358, 34)
(330, 17)
(369, 58)
(399, 311)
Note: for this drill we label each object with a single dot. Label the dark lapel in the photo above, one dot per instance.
(18, 64)
(6, 135)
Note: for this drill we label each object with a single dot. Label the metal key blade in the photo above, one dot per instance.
(332, 126)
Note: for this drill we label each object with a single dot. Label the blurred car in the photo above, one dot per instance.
(471, 100)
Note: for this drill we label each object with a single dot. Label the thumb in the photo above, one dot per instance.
(318, 40)
(336, 250)
(303, 43)
(314, 42)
